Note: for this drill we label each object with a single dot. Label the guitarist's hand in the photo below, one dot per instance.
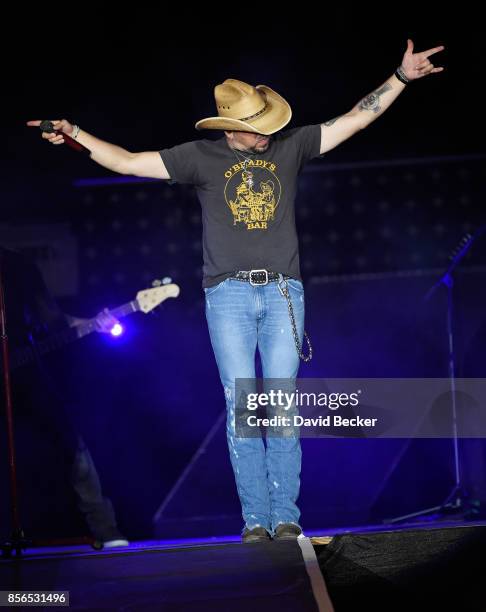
(105, 321)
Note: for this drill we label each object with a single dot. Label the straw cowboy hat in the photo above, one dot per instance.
(244, 108)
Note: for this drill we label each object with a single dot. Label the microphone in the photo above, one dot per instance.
(47, 126)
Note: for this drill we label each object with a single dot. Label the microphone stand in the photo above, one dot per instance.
(455, 501)
(17, 541)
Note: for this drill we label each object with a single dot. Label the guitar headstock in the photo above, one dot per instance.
(148, 299)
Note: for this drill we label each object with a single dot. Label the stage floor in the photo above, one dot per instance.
(221, 574)
(317, 536)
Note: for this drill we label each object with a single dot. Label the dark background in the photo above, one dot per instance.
(128, 78)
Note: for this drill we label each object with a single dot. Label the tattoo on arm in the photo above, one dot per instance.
(372, 101)
(331, 121)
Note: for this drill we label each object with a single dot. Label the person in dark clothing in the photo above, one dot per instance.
(39, 382)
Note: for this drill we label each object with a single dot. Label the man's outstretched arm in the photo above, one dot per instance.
(414, 66)
(147, 164)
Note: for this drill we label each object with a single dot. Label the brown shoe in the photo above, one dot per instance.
(287, 531)
(257, 534)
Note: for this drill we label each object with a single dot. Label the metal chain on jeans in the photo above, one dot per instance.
(284, 290)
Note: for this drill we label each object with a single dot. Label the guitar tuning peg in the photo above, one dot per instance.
(156, 283)
(166, 280)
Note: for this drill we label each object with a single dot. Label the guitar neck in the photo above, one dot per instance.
(83, 329)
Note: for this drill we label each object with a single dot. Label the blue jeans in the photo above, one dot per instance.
(242, 317)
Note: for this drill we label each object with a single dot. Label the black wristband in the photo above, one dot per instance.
(401, 76)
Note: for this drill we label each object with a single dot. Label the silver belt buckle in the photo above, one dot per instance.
(256, 284)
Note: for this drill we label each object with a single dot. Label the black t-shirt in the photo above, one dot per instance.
(30, 309)
(247, 207)
(32, 315)
(42, 388)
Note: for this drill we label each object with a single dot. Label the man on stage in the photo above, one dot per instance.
(246, 182)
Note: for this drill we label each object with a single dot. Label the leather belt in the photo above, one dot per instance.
(257, 277)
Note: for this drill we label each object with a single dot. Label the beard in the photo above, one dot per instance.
(258, 148)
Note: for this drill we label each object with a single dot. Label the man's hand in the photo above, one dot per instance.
(60, 125)
(105, 321)
(417, 65)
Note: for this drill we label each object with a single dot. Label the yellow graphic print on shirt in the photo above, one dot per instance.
(252, 193)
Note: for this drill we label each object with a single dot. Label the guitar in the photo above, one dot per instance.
(145, 301)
